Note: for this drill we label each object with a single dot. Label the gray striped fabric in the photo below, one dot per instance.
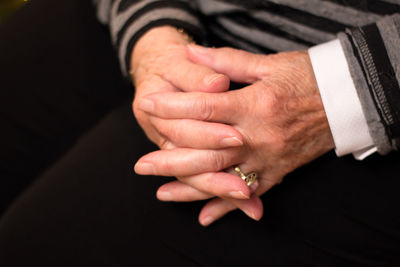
(297, 34)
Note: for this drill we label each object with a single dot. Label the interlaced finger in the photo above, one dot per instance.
(217, 208)
(188, 77)
(215, 107)
(209, 184)
(186, 161)
(197, 134)
(180, 192)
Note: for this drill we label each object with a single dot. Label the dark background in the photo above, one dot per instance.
(58, 76)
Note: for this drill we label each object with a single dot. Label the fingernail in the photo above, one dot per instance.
(207, 221)
(231, 141)
(211, 78)
(238, 195)
(145, 168)
(146, 105)
(164, 195)
(251, 215)
(254, 186)
(198, 49)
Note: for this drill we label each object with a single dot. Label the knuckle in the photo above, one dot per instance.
(135, 108)
(225, 50)
(166, 167)
(208, 183)
(292, 105)
(174, 137)
(217, 160)
(163, 143)
(168, 131)
(206, 111)
(270, 101)
(139, 114)
(212, 186)
(259, 68)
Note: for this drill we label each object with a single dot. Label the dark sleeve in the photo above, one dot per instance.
(128, 20)
(373, 54)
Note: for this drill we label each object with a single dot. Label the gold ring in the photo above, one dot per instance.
(248, 178)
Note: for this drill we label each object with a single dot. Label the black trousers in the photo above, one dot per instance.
(69, 196)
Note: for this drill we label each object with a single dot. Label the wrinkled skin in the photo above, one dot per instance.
(160, 63)
(280, 117)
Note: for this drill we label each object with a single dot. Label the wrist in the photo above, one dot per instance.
(156, 40)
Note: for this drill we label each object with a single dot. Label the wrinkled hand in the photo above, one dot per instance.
(280, 115)
(160, 63)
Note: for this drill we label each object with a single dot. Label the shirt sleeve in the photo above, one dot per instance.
(373, 61)
(341, 103)
(372, 53)
(128, 20)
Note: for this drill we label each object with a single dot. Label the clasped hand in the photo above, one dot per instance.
(272, 126)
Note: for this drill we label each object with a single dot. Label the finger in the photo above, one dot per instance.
(252, 207)
(217, 208)
(188, 77)
(239, 65)
(187, 162)
(216, 107)
(220, 184)
(180, 192)
(166, 144)
(198, 134)
(152, 83)
(214, 210)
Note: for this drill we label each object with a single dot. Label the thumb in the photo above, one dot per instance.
(240, 66)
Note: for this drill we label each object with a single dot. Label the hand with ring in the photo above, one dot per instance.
(280, 116)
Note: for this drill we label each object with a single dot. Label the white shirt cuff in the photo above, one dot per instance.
(339, 96)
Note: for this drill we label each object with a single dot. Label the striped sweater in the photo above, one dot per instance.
(369, 31)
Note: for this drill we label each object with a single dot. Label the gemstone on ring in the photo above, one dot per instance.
(248, 178)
